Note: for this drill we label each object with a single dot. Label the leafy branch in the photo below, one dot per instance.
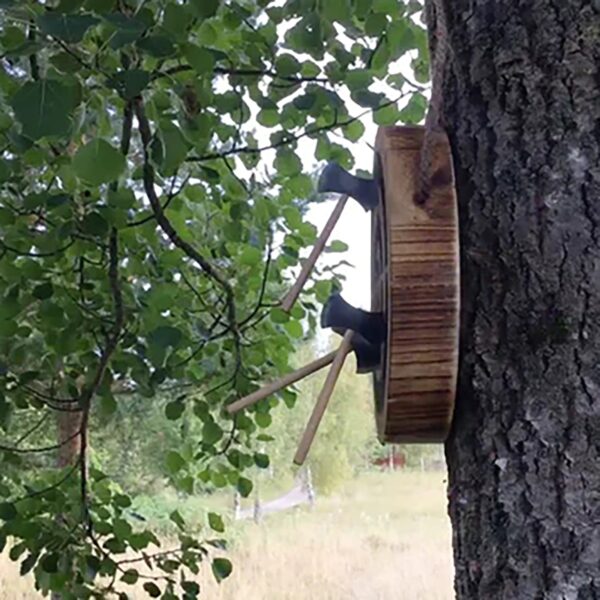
(175, 238)
(287, 138)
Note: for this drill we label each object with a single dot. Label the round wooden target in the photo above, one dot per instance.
(415, 284)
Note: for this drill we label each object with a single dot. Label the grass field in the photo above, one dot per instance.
(383, 537)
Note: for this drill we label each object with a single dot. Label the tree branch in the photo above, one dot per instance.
(174, 237)
(42, 449)
(243, 72)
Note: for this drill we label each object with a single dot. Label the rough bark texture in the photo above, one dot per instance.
(69, 424)
(522, 108)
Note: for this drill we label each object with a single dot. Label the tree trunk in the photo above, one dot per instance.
(69, 424)
(522, 108)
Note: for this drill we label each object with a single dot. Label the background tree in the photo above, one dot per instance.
(521, 105)
(346, 439)
(149, 212)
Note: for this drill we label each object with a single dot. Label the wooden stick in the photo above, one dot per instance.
(284, 381)
(291, 297)
(323, 400)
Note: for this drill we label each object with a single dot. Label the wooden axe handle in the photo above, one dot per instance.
(323, 399)
(281, 383)
(291, 297)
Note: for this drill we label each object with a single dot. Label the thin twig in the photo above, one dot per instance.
(32, 429)
(42, 449)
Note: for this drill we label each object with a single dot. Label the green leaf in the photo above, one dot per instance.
(261, 460)
(94, 224)
(211, 432)
(93, 563)
(130, 84)
(108, 405)
(174, 410)
(176, 19)
(175, 148)
(165, 336)
(305, 101)
(278, 315)
(122, 501)
(250, 256)
(122, 529)
(43, 291)
(381, 55)
(385, 6)
(375, 24)
(293, 217)
(128, 29)
(205, 8)
(159, 46)
(98, 162)
(287, 65)
(287, 162)
(44, 107)
(268, 117)
(100, 6)
(28, 564)
(216, 522)
(323, 290)
(174, 462)
(130, 576)
(49, 563)
(244, 487)
(176, 517)
(221, 568)
(337, 246)
(414, 111)
(336, 10)
(191, 588)
(8, 512)
(294, 328)
(359, 79)
(121, 198)
(388, 115)
(69, 28)
(353, 131)
(152, 589)
(200, 59)
(367, 99)
(263, 420)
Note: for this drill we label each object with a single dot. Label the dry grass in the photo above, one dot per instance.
(385, 537)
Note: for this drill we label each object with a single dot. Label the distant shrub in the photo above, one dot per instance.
(331, 468)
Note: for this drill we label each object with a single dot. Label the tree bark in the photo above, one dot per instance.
(522, 109)
(69, 424)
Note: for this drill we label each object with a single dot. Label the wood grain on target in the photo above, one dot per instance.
(422, 278)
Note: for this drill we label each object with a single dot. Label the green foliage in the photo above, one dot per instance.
(138, 263)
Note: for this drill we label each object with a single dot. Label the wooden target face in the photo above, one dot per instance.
(415, 284)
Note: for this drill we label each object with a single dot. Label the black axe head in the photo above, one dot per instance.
(337, 313)
(335, 179)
